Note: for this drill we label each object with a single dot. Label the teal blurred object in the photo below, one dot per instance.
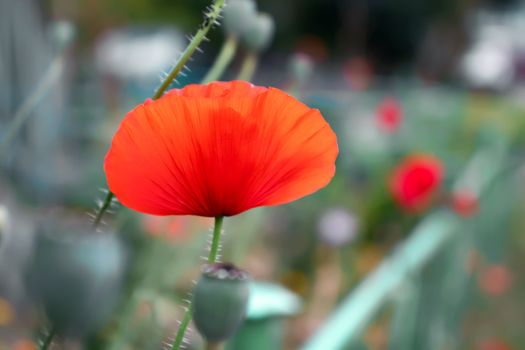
(77, 278)
(268, 306)
(425, 281)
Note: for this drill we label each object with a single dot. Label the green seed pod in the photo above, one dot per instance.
(238, 15)
(220, 299)
(77, 278)
(260, 33)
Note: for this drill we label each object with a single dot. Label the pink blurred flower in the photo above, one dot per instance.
(493, 344)
(175, 228)
(464, 203)
(495, 280)
(389, 115)
(358, 73)
(337, 227)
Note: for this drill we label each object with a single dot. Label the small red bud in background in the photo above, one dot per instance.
(414, 182)
(389, 115)
(464, 203)
(495, 280)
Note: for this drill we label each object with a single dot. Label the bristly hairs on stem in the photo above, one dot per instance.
(47, 339)
(211, 16)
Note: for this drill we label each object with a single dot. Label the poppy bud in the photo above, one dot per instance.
(220, 300)
(238, 15)
(301, 67)
(260, 33)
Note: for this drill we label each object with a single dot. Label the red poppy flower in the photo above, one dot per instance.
(219, 149)
(389, 115)
(415, 180)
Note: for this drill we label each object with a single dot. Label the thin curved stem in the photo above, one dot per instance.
(210, 18)
(212, 257)
(222, 61)
(23, 113)
(248, 67)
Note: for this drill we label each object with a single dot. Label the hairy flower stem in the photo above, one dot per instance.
(216, 240)
(229, 47)
(211, 18)
(48, 338)
(105, 206)
(212, 257)
(249, 65)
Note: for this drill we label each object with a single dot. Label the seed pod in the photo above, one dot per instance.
(219, 301)
(260, 33)
(238, 15)
(77, 279)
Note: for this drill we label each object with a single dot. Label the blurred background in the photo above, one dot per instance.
(427, 99)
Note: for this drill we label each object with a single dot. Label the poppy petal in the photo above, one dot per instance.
(219, 149)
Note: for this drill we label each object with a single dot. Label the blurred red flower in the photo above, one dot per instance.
(415, 180)
(389, 115)
(24, 344)
(219, 149)
(495, 280)
(465, 203)
(173, 228)
(493, 344)
(358, 73)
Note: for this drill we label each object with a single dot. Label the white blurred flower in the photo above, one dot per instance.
(138, 54)
(489, 62)
(337, 227)
(365, 136)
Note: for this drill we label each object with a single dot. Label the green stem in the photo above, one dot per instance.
(249, 65)
(44, 345)
(212, 257)
(222, 61)
(182, 328)
(211, 18)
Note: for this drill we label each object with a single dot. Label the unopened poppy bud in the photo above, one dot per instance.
(260, 33)
(62, 33)
(238, 15)
(220, 300)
